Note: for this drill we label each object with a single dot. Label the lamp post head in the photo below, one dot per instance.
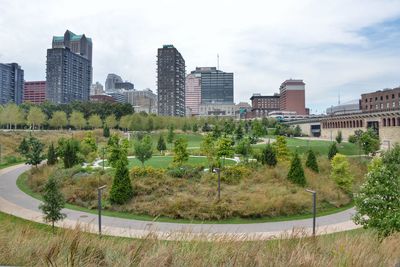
(101, 187)
(216, 170)
(310, 191)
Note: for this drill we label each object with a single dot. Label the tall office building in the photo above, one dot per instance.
(111, 80)
(35, 92)
(292, 96)
(69, 68)
(193, 93)
(216, 85)
(96, 89)
(11, 83)
(170, 82)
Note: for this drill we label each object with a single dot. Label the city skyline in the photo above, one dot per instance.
(333, 49)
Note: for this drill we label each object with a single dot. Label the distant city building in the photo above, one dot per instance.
(96, 89)
(124, 85)
(111, 80)
(387, 99)
(69, 68)
(102, 98)
(292, 96)
(345, 108)
(170, 81)
(219, 110)
(262, 105)
(11, 83)
(142, 100)
(118, 96)
(193, 93)
(35, 92)
(242, 109)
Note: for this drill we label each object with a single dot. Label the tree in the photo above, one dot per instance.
(378, 203)
(69, 152)
(121, 190)
(51, 155)
(257, 128)
(195, 128)
(332, 151)
(181, 154)
(94, 121)
(369, 142)
(77, 120)
(23, 147)
(185, 127)
(339, 137)
(53, 202)
(106, 131)
(118, 150)
(244, 148)
(150, 125)
(224, 148)
(35, 117)
(58, 120)
(297, 131)
(207, 147)
(111, 121)
(268, 156)
(216, 132)
(171, 134)
(296, 172)
(311, 162)
(239, 132)
(125, 122)
(161, 146)
(281, 149)
(206, 128)
(32, 150)
(229, 127)
(340, 172)
(143, 149)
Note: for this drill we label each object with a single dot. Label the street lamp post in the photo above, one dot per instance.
(218, 171)
(103, 150)
(99, 190)
(314, 196)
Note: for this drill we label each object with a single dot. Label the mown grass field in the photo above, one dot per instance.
(26, 243)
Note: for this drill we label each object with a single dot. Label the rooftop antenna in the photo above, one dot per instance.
(339, 98)
(217, 61)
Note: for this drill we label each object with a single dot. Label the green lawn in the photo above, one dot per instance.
(194, 140)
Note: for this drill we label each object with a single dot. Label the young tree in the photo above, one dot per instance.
(207, 148)
(150, 125)
(77, 120)
(143, 149)
(339, 137)
(68, 150)
(185, 127)
(124, 122)
(94, 121)
(58, 120)
(332, 151)
(297, 131)
(340, 172)
(51, 155)
(257, 128)
(311, 162)
(171, 134)
(106, 131)
(53, 202)
(239, 132)
(224, 148)
(216, 133)
(161, 146)
(32, 150)
(195, 128)
(35, 117)
(206, 128)
(369, 142)
(121, 190)
(268, 156)
(296, 172)
(281, 149)
(111, 121)
(244, 148)
(23, 147)
(118, 150)
(181, 154)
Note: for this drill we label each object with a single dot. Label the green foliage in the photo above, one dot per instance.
(378, 201)
(181, 154)
(234, 174)
(23, 147)
(111, 121)
(355, 138)
(340, 172)
(185, 127)
(216, 133)
(239, 132)
(58, 120)
(53, 202)
(207, 148)
(88, 147)
(195, 128)
(297, 131)
(296, 172)
(146, 172)
(77, 120)
(121, 190)
(51, 155)
(268, 156)
(185, 171)
(229, 127)
(206, 128)
(281, 148)
(244, 148)
(32, 150)
(35, 117)
(69, 152)
(333, 150)
(311, 162)
(369, 142)
(161, 145)
(257, 128)
(143, 149)
(95, 121)
(171, 134)
(117, 150)
(106, 131)
(339, 137)
(224, 148)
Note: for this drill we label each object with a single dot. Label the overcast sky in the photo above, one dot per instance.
(349, 47)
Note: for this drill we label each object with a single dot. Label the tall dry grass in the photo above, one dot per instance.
(25, 244)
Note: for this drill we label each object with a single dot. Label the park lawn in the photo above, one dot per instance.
(194, 140)
(165, 161)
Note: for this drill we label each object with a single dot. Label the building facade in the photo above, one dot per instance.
(102, 98)
(142, 100)
(349, 107)
(193, 93)
(11, 83)
(111, 80)
(218, 110)
(216, 85)
(35, 92)
(68, 76)
(124, 85)
(387, 99)
(262, 105)
(96, 89)
(78, 44)
(170, 81)
(292, 96)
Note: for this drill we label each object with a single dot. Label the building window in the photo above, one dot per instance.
(381, 105)
(393, 104)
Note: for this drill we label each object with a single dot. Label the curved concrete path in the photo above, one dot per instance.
(14, 201)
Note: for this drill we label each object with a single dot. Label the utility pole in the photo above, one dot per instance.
(218, 171)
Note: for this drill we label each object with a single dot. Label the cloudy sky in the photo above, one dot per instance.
(345, 47)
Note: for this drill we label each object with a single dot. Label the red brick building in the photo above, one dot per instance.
(387, 99)
(102, 98)
(292, 96)
(35, 92)
(262, 105)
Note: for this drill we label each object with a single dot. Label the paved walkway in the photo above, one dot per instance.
(14, 201)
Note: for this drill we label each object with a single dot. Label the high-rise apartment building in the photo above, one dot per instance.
(11, 83)
(170, 82)
(35, 92)
(96, 89)
(292, 96)
(111, 80)
(193, 93)
(69, 68)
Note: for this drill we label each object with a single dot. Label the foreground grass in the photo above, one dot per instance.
(31, 244)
